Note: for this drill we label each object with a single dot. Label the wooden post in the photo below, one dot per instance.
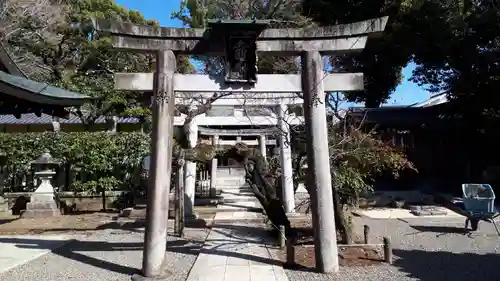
(320, 179)
(366, 232)
(179, 199)
(290, 254)
(387, 250)
(155, 238)
(282, 237)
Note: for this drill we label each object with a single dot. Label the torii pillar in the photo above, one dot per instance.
(213, 167)
(191, 130)
(155, 237)
(286, 161)
(262, 146)
(318, 162)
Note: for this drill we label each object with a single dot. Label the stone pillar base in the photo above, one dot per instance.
(41, 210)
(164, 275)
(193, 216)
(213, 192)
(4, 205)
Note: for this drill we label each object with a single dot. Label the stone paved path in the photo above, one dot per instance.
(236, 252)
(105, 255)
(18, 250)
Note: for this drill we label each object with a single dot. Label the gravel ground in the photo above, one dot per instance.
(107, 255)
(424, 249)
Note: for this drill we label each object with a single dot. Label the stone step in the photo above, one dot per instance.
(230, 181)
(226, 185)
(238, 209)
(4, 205)
(232, 177)
(252, 205)
(236, 191)
(234, 199)
(139, 212)
(219, 217)
(239, 216)
(239, 204)
(234, 196)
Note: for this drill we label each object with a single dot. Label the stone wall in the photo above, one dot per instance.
(70, 202)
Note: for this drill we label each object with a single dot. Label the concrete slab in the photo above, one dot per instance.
(21, 249)
(393, 213)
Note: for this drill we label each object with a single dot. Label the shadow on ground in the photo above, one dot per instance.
(130, 225)
(447, 266)
(239, 236)
(440, 229)
(134, 226)
(4, 221)
(246, 233)
(75, 250)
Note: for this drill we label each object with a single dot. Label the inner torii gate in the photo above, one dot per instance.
(238, 42)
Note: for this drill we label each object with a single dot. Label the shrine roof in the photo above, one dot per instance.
(46, 119)
(14, 82)
(43, 93)
(397, 114)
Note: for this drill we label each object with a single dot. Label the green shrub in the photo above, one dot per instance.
(96, 161)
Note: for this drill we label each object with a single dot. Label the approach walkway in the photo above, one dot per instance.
(236, 251)
(21, 249)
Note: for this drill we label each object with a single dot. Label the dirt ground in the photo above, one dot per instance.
(13, 225)
(348, 256)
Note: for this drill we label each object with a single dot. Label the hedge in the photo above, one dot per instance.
(95, 161)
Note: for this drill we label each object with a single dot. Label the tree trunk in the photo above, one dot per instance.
(343, 225)
(262, 182)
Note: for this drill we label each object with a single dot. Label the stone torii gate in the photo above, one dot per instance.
(238, 42)
(283, 135)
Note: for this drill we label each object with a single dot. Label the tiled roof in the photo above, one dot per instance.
(398, 114)
(42, 89)
(15, 79)
(32, 119)
(433, 100)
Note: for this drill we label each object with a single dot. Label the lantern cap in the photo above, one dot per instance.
(46, 159)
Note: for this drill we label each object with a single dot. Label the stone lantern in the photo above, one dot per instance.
(3, 172)
(301, 189)
(42, 202)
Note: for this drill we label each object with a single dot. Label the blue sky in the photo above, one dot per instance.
(161, 10)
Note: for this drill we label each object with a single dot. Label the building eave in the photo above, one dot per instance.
(37, 92)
